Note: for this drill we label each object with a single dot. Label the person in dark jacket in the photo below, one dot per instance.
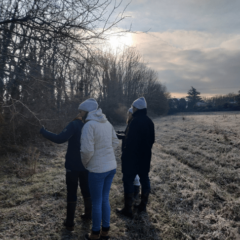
(122, 135)
(136, 156)
(75, 171)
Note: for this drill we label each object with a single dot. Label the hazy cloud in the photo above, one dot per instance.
(185, 59)
(200, 15)
(191, 43)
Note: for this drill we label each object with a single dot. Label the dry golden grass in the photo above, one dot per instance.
(195, 177)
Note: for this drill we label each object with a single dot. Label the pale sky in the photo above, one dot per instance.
(189, 42)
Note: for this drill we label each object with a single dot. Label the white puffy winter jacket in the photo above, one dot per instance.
(98, 141)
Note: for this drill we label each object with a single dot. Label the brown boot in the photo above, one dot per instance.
(87, 215)
(93, 235)
(104, 233)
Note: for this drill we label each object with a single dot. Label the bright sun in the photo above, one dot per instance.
(119, 42)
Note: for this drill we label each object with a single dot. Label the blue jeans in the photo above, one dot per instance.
(99, 185)
(128, 180)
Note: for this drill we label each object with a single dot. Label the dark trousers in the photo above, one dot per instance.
(72, 178)
(128, 182)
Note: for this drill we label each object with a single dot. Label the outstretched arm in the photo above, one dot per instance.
(61, 137)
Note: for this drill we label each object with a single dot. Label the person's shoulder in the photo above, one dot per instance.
(90, 124)
(70, 124)
(144, 121)
(142, 118)
(150, 121)
(77, 121)
(109, 124)
(136, 122)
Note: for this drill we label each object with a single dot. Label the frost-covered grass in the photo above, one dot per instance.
(195, 177)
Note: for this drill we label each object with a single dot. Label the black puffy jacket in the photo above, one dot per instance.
(122, 134)
(137, 148)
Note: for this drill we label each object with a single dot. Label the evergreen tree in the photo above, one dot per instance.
(193, 97)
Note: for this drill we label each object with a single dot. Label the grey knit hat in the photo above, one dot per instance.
(88, 105)
(140, 103)
(130, 110)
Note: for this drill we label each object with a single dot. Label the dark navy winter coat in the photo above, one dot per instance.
(122, 134)
(72, 134)
(137, 149)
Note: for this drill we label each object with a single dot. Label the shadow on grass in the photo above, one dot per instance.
(80, 229)
(140, 227)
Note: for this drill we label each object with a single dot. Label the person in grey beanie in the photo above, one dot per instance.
(98, 141)
(75, 171)
(136, 157)
(122, 135)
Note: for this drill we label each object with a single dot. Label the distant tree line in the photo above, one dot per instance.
(194, 102)
(229, 101)
(49, 64)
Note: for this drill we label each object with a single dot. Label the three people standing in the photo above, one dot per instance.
(90, 159)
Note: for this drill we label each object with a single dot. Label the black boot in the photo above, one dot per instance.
(69, 222)
(136, 192)
(143, 204)
(127, 210)
(87, 215)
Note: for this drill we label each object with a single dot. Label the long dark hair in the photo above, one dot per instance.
(129, 119)
(85, 117)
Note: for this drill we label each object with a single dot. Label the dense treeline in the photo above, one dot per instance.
(49, 63)
(194, 102)
(229, 101)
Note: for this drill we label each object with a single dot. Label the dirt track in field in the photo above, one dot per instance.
(195, 177)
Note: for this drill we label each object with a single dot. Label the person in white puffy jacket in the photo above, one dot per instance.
(98, 141)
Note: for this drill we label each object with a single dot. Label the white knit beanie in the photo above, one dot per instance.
(140, 103)
(88, 105)
(130, 110)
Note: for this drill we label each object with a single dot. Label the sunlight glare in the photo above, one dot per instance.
(119, 42)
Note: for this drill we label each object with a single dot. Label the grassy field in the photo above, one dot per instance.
(195, 176)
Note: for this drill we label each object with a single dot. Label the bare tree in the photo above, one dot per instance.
(51, 24)
(124, 77)
(46, 50)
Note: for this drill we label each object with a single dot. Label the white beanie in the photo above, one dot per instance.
(88, 105)
(140, 103)
(130, 110)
